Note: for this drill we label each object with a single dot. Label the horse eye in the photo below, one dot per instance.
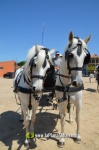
(71, 55)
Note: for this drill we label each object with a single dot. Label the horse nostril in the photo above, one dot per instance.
(74, 83)
(33, 88)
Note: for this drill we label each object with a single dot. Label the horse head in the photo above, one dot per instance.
(38, 61)
(76, 55)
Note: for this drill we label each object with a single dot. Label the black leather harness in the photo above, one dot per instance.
(69, 88)
(31, 91)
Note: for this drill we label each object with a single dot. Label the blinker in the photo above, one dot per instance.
(70, 55)
(47, 56)
(87, 58)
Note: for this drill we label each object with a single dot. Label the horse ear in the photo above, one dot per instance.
(71, 36)
(36, 48)
(52, 51)
(87, 39)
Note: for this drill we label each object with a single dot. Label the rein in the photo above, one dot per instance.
(38, 76)
(68, 88)
(63, 75)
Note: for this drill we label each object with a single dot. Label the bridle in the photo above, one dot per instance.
(32, 64)
(68, 55)
(69, 88)
(31, 91)
(28, 79)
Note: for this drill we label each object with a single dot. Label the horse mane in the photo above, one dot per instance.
(32, 51)
(75, 40)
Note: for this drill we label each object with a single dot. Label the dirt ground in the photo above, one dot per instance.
(12, 133)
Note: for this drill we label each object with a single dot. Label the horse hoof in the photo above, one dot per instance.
(78, 141)
(26, 145)
(60, 144)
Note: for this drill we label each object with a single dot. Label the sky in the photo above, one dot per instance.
(22, 23)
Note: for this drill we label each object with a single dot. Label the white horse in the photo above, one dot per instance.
(69, 82)
(30, 85)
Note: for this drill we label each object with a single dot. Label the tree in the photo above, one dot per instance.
(21, 63)
(90, 68)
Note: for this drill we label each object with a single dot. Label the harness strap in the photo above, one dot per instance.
(76, 68)
(28, 91)
(63, 75)
(68, 105)
(30, 106)
(60, 100)
(37, 76)
(69, 88)
(17, 82)
(25, 80)
(25, 90)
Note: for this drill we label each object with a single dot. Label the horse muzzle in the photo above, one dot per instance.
(77, 84)
(35, 89)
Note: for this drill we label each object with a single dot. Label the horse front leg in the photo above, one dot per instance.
(62, 109)
(27, 137)
(70, 113)
(22, 116)
(34, 108)
(24, 109)
(78, 112)
(29, 123)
